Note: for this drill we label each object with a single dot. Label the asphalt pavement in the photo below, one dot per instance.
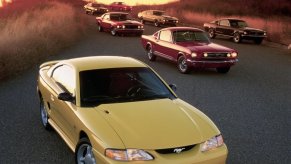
(251, 105)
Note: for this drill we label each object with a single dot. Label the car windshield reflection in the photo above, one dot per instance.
(116, 85)
(120, 17)
(238, 23)
(158, 13)
(190, 36)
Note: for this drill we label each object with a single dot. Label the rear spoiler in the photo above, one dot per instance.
(49, 64)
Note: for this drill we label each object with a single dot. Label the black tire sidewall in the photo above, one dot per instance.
(211, 33)
(100, 28)
(153, 57)
(82, 141)
(47, 126)
(237, 35)
(180, 59)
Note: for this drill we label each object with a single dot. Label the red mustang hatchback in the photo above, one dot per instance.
(119, 23)
(189, 48)
(119, 6)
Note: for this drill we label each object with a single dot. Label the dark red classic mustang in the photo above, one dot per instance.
(119, 6)
(188, 47)
(119, 23)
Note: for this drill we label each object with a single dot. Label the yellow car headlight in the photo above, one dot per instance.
(128, 155)
(212, 143)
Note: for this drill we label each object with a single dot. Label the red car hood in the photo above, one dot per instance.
(127, 22)
(200, 47)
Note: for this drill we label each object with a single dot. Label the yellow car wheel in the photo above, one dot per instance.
(44, 116)
(83, 153)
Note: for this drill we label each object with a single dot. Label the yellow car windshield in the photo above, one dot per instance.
(117, 85)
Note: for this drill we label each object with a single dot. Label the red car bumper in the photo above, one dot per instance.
(211, 64)
(129, 31)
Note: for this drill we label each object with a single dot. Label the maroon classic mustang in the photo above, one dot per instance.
(119, 23)
(119, 6)
(188, 47)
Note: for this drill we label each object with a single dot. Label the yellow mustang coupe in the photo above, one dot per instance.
(117, 110)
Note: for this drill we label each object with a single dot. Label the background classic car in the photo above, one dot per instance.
(157, 17)
(95, 8)
(120, 6)
(188, 47)
(235, 28)
(117, 109)
(119, 23)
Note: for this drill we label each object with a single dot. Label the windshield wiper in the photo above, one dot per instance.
(150, 97)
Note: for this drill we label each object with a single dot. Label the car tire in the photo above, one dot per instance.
(150, 53)
(113, 32)
(83, 152)
(182, 65)
(100, 29)
(236, 37)
(223, 69)
(211, 33)
(258, 40)
(44, 116)
(142, 21)
(156, 23)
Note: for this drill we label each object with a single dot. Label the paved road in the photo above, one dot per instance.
(251, 104)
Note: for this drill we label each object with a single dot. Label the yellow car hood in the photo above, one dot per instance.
(158, 124)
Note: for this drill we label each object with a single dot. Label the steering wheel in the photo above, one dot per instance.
(135, 90)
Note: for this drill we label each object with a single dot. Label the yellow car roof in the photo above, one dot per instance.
(102, 62)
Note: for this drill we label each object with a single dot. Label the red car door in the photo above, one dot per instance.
(106, 23)
(164, 46)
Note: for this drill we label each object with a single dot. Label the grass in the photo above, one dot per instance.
(30, 37)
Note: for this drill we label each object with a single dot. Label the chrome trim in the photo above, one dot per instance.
(255, 36)
(213, 62)
(128, 29)
(163, 55)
